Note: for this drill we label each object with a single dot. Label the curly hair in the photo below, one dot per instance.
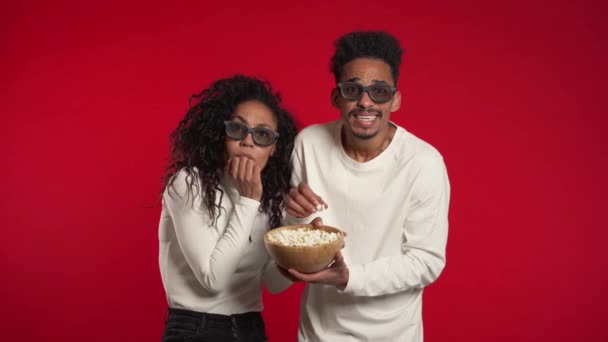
(366, 44)
(198, 145)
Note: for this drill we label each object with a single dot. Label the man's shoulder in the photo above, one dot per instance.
(317, 132)
(319, 128)
(415, 147)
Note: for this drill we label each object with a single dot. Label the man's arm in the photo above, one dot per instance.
(422, 255)
(425, 233)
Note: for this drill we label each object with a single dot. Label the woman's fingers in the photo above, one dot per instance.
(246, 177)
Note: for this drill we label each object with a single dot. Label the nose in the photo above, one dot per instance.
(365, 101)
(247, 140)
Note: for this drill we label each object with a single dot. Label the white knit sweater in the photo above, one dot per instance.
(395, 211)
(214, 269)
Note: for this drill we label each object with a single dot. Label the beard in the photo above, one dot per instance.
(366, 134)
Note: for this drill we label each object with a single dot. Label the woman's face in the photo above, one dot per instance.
(253, 114)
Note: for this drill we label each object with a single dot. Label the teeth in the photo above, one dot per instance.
(366, 117)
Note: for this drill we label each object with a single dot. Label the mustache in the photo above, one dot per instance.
(359, 111)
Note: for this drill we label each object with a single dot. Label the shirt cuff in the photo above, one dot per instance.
(355, 280)
(248, 202)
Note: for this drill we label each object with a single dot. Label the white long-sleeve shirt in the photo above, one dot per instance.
(395, 211)
(214, 268)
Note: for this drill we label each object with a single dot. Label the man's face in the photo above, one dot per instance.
(364, 118)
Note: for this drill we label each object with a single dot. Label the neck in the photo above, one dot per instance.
(364, 150)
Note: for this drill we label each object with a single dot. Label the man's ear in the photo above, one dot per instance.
(396, 104)
(335, 97)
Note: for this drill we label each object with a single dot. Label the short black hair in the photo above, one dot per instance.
(366, 44)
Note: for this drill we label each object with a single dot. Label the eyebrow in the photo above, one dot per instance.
(244, 121)
(354, 79)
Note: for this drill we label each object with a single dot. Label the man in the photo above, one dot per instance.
(386, 188)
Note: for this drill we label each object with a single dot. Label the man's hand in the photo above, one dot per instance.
(336, 274)
(245, 176)
(317, 221)
(303, 202)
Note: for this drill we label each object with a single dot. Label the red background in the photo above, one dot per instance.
(512, 94)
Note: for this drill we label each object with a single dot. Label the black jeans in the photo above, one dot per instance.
(192, 326)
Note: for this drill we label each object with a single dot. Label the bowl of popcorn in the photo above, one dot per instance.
(304, 247)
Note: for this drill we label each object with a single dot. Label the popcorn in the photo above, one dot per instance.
(302, 237)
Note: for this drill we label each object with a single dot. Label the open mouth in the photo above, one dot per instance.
(365, 119)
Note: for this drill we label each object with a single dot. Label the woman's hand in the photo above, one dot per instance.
(246, 177)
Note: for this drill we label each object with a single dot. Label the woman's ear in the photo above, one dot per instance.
(274, 149)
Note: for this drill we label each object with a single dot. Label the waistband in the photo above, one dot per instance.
(246, 318)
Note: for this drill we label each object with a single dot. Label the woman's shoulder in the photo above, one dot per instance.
(183, 182)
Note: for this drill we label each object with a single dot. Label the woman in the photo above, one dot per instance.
(225, 186)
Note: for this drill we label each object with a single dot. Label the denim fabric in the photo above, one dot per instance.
(190, 326)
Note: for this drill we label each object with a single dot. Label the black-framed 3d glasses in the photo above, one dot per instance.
(261, 136)
(379, 93)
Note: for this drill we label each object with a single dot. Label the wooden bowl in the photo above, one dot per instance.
(305, 259)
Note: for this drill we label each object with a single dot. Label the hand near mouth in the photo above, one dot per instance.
(245, 176)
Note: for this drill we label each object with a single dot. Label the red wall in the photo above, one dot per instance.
(513, 95)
